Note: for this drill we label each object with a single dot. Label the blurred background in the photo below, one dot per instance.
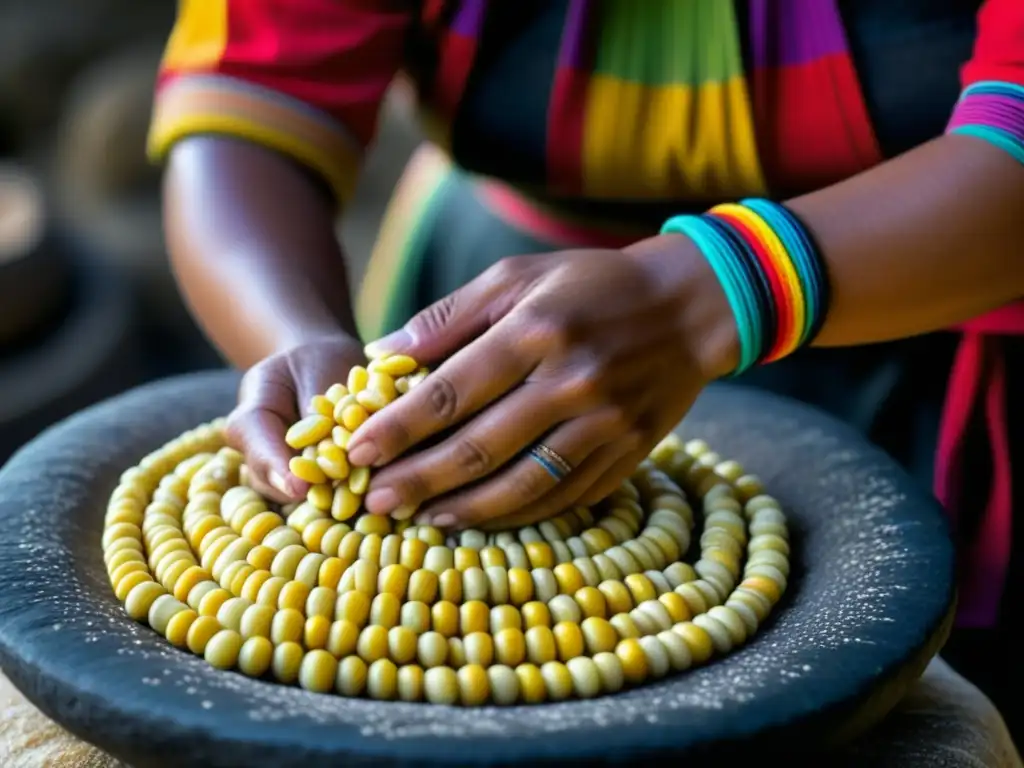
(88, 305)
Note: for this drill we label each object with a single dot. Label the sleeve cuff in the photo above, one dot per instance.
(994, 112)
(216, 104)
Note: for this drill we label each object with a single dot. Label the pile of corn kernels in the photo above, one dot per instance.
(336, 600)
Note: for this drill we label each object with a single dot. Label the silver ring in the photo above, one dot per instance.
(551, 460)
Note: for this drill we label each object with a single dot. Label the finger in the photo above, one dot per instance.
(259, 435)
(569, 492)
(479, 448)
(612, 479)
(474, 377)
(266, 406)
(525, 480)
(448, 324)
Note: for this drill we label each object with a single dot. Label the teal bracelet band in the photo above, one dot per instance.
(770, 270)
(723, 262)
(994, 136)
(994, 88)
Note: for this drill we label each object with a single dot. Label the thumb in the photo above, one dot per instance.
(259, 434)
(447, 325)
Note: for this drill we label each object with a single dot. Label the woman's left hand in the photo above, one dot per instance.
(596, 354)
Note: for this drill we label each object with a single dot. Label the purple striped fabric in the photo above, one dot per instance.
(793, 32)
(1003, 112)
(469, 18)
(576, 43)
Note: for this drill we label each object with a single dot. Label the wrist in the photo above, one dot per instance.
(696, 300)
(304, 333)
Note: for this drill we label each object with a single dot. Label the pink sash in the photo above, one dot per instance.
(978, 382)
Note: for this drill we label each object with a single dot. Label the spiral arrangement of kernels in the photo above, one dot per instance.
(577, 606)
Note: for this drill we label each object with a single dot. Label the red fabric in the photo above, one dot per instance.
(807, 143)
(999, 46)
(457, 54)
(977, 382)
(565, 130)
(338, 56)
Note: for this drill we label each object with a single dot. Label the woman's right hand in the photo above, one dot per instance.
(274, 394)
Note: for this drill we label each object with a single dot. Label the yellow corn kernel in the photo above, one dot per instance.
(306, 470)
(354, 607)
(353, 417)
(357, 379)
(336, 392)
(340, 436)
(359, 480)
(536, 614)
(491, 556)
(569, 578)
(393, 579)
(341, 405)
(321, 496)
(444, 618)
(323, 405)
(376, 525)
(331, 461)
(540, 554)
(395, 365)
(309, 431)
(345, 504)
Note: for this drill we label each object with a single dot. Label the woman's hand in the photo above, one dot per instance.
(274, 394)
(597, 354)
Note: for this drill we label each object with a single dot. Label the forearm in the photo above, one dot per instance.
(920, 243)
(253, 246)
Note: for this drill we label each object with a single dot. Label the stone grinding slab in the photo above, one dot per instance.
(869, 603)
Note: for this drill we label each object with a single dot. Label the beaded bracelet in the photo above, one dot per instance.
(772, 274)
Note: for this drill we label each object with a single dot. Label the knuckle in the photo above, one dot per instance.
(441, 397)
(434, 318)
(472, 457)
(620, 420)
(527, 486)
(234, 428)
(256, 378)
(505, 271)
(634, 439)
(413, 488)
(584, 386)
(389, 432)
(543, 330)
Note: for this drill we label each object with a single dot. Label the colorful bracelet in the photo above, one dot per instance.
(992, 111)
(772, 274)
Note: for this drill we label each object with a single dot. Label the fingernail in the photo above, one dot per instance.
(444, 520)
(363, 455)
(279, 482)
(382, 501)
(390, 344)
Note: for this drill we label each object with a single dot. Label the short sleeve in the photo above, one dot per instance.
(991, 103)
(999, 44)
(302, 77)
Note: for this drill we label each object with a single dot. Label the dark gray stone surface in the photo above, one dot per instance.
(868, 606)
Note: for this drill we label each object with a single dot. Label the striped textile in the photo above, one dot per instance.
(648, 100)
